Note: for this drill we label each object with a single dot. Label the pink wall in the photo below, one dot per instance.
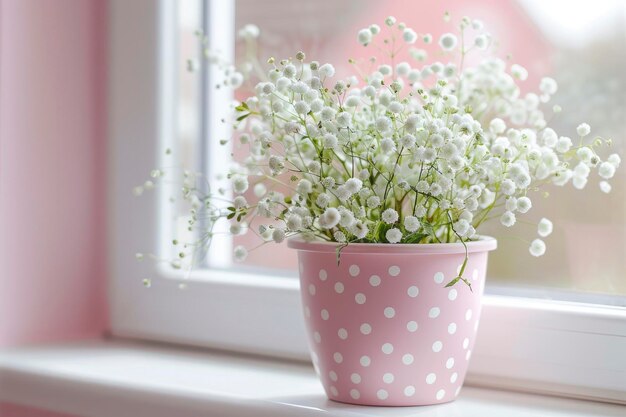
(52, 161)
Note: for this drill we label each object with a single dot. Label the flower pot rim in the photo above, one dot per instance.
(483, 244)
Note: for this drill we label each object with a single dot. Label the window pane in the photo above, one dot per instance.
(580, 44)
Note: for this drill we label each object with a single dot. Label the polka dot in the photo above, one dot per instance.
(365, 361)
(339, 288)
(394, 271)
(388, 378)
(360, 298)
(355, 378)
(440, 394)
(382, 394)
(307, 312)
(387, 348)
(452, 294)
(465, 343)
(437, 346)
(458, 390)
(452, 328)
(450, 363)
(375, 281)
(454, 377)
(366, 328)
(468, 354)
(409, 391)
(411, 326)
(407, 359)
(333, 391)
(390, 312)
(475, 274)
(342, 333)
(431, 378)
(434, 312)
(468, 314)
(354, 270)
(312, 289)
(338, 357)
(438, 277)
(333, 376)
(354, 393)
(325, 315)
(413, 291)
(317, 337)
(323, 275)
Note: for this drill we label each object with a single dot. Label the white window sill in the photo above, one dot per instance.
(118, 378)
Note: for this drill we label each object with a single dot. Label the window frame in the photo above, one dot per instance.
(523, 343)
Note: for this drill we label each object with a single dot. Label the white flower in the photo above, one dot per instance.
(364, 37)
(605, 187)
(330, 218)
(524, 204)
(304, 187)
(508, 219)
(563, 144)
(322, 200)
(497, 126)
(240, 253)
(448, 41)
(339, 236)
(352, 101)
(409, 35)
(294, 222)
(383, 124)
(354, 185)
(519, 72)
(359, 229)
(387, 145)
(390, 21)
(511, 204)
(249, 31)
(278, 235)
(375, 29)
(614, 159)
(390, 216)
(411, 223)
(347, 218)
(461, 227)
(548, 86)
(583, 129)
(240, 202)
(240, 184)
(302, 107)
(537, 247)
(481, 41)
(373, 201)
(393, 235)
(507, 187)
(544, 228)
(327, 70)
(579, 182)
(606, 170)
(330, 141)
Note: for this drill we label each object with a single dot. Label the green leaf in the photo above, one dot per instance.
(230, 216)
(243, 116)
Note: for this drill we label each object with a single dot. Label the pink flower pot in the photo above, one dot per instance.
(383, 329)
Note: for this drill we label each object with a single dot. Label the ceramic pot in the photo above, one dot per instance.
(382, 327)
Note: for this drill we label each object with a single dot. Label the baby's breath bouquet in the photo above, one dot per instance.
(406, 153)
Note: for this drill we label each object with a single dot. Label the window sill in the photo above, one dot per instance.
(119, 378)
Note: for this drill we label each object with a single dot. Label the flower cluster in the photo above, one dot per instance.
(413, 152)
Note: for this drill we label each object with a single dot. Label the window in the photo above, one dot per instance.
(154, 105)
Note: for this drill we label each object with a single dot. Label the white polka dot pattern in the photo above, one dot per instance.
(386, 331)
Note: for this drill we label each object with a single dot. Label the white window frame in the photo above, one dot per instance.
(527, 344)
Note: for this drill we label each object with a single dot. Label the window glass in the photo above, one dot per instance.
(580, 44)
